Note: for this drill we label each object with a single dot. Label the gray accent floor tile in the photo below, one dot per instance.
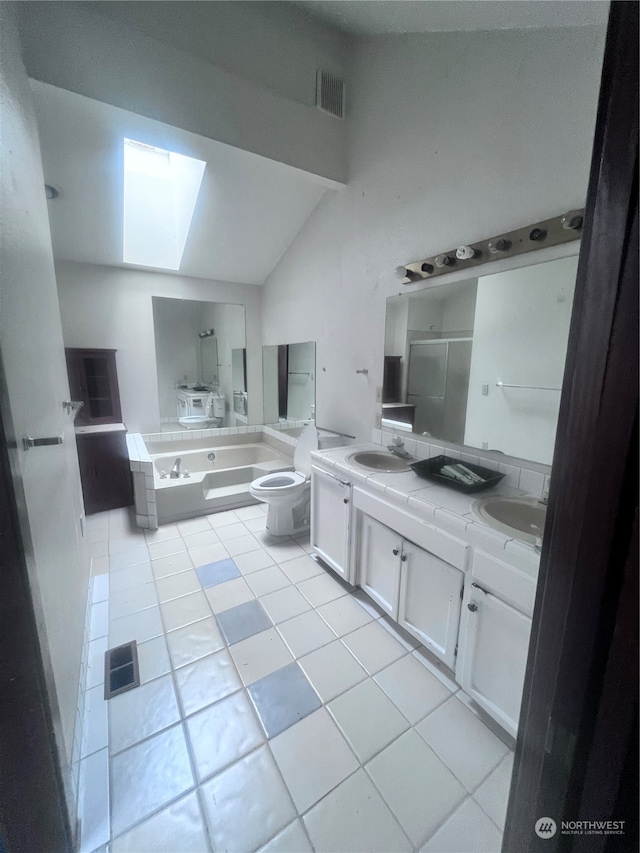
(218, 572)
(243, 621)
(283, 698)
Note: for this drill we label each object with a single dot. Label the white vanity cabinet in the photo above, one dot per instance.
(494, 638)
(379, 555)
(331, 520)
(416, 588)
(470, 607)
(430, 599)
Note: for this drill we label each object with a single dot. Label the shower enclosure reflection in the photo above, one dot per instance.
(289, 386)
(480, 362)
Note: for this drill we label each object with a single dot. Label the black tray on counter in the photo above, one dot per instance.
(430, 470)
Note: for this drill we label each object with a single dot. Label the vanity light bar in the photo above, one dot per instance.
(549, 232)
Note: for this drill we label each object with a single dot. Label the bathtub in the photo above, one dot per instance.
(211, 486)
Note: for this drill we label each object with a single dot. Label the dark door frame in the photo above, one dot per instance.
(576, 755)
(33, 810)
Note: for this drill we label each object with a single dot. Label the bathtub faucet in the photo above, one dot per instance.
(175, 471)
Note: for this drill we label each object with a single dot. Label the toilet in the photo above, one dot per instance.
(288, 493)
(214, 417)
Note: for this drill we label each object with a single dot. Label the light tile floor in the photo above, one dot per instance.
(278, 711)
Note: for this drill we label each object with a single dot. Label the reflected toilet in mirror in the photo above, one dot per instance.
(200, 363)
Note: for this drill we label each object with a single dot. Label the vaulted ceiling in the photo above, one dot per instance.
(248, 211)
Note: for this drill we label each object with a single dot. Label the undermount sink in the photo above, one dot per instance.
(378, 460)
(523, 518)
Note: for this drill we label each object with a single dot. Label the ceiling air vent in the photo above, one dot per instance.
(330, 94)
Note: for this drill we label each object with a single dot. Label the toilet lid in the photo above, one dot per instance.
(307, 441)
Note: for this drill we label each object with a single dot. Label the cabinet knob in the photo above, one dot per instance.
(472, 607)
(395, 552)
(345, 500)
(404, 558)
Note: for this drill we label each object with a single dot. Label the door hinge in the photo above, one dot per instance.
(461, 593)
(455, 651)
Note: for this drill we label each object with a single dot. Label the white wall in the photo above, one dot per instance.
(229, 323)
(101, 55)
(453, 137)
(276, 45)
(112, 308)
(34, 384)
(395, 328)
(270, 384)
(458, 311)
(176, 324)
(301, 381)
(520, 337)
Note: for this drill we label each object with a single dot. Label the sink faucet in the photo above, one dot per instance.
(175, 471)
(397, 448)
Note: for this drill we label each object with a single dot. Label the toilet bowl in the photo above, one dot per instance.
(288, 493)
(199, 422)
(214, 417)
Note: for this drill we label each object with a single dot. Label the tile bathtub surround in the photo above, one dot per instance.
(277, 710)
(140, 445)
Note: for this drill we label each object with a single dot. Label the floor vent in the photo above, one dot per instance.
(121, 672)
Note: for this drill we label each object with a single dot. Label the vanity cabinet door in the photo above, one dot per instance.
(331, 520)
(430, 599)
(104, 471)
(379, 550)
(492, 655)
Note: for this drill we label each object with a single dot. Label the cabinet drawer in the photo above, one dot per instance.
(448, 548)
(511, 585)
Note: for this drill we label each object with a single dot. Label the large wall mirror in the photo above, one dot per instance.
(289, 384)
(480, 362)
(200, 348)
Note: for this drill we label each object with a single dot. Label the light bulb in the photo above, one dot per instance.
(499, 245)
(572, 221)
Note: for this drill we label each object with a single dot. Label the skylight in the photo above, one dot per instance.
(160, 193)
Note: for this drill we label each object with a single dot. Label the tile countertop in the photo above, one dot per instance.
(447, 508)
(87, 430)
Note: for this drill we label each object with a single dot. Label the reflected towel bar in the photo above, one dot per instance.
(334, 432)
(530, 387)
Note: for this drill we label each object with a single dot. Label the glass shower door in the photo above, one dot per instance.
(427, 385)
